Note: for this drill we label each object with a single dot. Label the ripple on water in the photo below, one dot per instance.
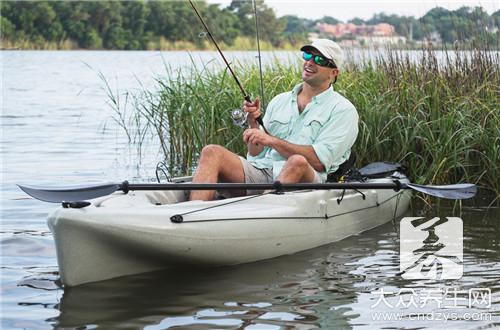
(23, 245)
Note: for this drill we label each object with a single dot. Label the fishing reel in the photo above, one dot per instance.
(239, 118)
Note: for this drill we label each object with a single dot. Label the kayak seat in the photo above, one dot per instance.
(343, 169)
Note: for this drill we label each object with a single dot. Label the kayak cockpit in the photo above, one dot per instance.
(144, 198)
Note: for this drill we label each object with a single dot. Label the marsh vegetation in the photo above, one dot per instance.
(440, 117)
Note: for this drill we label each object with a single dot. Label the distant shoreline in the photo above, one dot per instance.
(383, 47)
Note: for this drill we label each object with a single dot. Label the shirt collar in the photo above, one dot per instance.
(296, 89)
(316, 99)
(323, 96)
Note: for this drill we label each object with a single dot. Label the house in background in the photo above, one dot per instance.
(353, 35)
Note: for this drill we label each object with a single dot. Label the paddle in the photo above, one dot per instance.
(80, 193)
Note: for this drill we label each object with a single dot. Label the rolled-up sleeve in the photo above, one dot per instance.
(336, 137)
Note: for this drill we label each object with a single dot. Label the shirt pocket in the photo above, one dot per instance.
(311, 129)
(279, 125)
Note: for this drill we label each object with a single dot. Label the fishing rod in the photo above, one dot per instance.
(245, 95)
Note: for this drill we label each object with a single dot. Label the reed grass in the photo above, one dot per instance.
(440, 118)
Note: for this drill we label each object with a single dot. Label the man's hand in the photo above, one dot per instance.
(253, 110)
(257, 137)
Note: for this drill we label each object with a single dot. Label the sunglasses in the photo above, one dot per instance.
(318, 59)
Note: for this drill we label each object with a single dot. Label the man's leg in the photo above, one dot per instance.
(297, 169)
(217, 164)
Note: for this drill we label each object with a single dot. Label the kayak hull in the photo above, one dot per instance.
(129, 234)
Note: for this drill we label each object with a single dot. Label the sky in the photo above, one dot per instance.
(364, 9)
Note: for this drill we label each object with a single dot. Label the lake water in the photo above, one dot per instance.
(57, 128)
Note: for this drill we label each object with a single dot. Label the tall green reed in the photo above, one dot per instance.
(438, 116)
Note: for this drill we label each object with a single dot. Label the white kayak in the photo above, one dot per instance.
(124, 234)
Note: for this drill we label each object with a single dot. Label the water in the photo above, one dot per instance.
(57, 128)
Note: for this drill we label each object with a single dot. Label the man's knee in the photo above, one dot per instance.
(212, 151)
(297, 162)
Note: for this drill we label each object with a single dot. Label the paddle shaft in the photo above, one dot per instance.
(395, 185)
(82, 193)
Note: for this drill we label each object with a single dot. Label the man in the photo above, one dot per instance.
(311, 131)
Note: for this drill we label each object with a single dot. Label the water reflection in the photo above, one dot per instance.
(295, 291)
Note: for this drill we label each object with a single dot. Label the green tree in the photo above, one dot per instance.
(115, 37)
(74, 18)
(270, 27)
(135, 15)
(295, 29)
(36, 20)
(161, 18)
(222, 24)
(7, 29)
(175, 21)
(245, 12)
(92, 39)
(132, 24)
(7, 26)
(403, 25)
(357, 21)
(186, 25)
(464, 24)
(496, 19)
(328, 20)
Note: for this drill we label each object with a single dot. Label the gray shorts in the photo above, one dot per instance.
(264, 175)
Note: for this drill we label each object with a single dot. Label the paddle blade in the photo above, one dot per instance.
(70, 194)
(452, 191)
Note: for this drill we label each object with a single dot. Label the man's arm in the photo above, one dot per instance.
(286, 149)
(254, 149)
(255, 136)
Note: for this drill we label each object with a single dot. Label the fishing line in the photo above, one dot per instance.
(263, 103)
(245, 95)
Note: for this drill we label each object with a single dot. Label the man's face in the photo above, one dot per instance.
(316, 75)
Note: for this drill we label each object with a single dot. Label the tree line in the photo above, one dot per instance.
(143, 24)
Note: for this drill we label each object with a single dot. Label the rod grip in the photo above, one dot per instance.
(261, 123)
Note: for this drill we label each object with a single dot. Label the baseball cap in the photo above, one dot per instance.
(328, 48)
